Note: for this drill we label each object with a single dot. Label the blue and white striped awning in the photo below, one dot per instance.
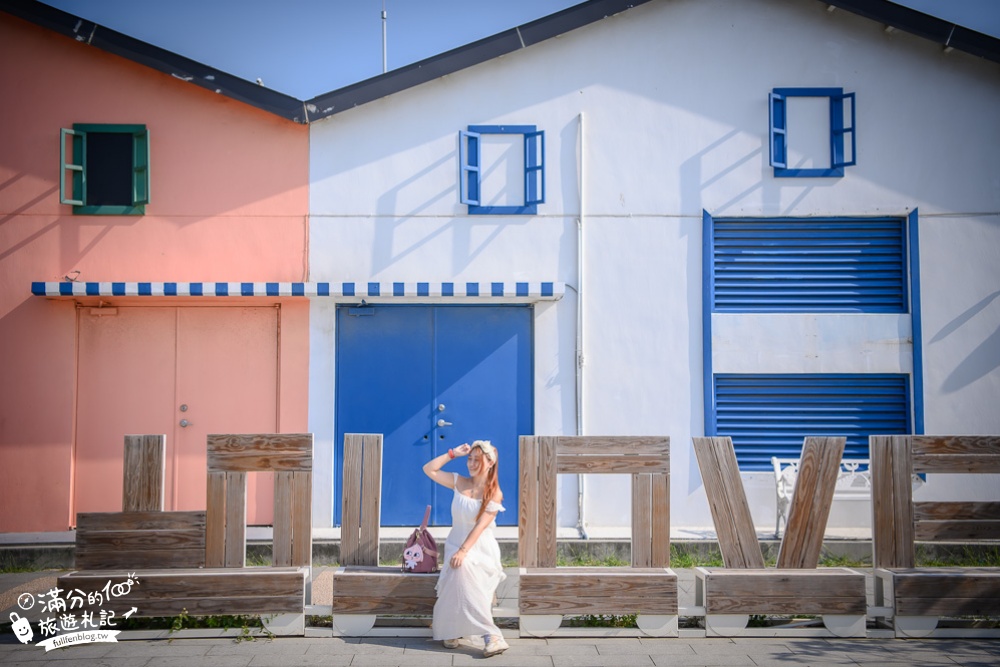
(531, 291)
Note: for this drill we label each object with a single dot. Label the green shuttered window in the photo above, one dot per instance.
(105, 169)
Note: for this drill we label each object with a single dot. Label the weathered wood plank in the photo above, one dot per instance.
(527, 529)
(281, 552)
(956, 530)
(648, 582)
(598, 591)
(373, 582)
(610, 464)
(398, 606)
(819, 466)
(977, 604)
(144, 472)
(236, 519)
(215, 521)
(767, 591)
(547, 605)
(956, 511)
(615, 446)
(957, 463)
(371, 499)
(727, 502)
(642, 523)
(547, 517)
(198, 582)
(350, 531)
(180, 557)
(719, 603)
(139, 540)
(892, 508)
(260, 452)
(947, 582)
(302, 518)
(955, 444)
(101, 521)
(661, 521)
(203, 592)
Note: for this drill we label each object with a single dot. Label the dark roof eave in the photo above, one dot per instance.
(938, 30)
(460, 58)
(156, 58)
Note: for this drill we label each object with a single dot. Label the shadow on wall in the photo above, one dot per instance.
(981, 361)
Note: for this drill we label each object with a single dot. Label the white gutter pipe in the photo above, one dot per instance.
(580, 485)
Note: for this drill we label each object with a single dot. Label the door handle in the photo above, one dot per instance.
(185, 423)
(442, 422)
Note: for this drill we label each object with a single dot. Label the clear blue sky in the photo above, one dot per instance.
(308, 47)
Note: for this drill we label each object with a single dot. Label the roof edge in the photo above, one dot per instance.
(154, 57)
(462, 57)
(948, 34)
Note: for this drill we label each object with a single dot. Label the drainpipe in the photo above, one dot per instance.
(581, 527)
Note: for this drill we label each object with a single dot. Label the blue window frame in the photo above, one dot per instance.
(814, 265)
(769, 414)
(843, 143)
(470, 169)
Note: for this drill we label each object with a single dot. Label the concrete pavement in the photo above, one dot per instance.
(551, 652)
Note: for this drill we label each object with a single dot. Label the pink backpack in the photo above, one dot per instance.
(420, 553)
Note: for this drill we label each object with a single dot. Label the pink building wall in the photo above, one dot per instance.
(229, 202)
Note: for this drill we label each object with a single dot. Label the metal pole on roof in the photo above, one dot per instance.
(384, 19)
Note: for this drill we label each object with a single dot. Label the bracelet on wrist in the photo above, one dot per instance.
(451, 453)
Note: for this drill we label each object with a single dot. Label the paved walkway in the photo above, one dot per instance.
(554, 652)
(406, 652)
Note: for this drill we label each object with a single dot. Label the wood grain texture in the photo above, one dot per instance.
(203, 591)
(236, 519)
(547, 494)
(281, 551)
(260, 452)
(661, 521)
(302, 518)
(812, 498)
(144, 472)
(350, 530)
(642, 524)
(382, 590)
(598, 591)
(892, 507)
(790, 591)
(727, 502)
(215, 537)
(371, 498)
(527, 524)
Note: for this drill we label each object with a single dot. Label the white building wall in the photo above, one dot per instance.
(672, 98)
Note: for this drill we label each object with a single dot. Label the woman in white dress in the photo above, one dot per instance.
(471, 571)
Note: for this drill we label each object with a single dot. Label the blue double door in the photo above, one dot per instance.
(430, 378)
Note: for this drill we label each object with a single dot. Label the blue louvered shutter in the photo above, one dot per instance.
(468, 154)
(782, 265)
(778, 130)
(534, 168)
(842, 140)
(770, 415)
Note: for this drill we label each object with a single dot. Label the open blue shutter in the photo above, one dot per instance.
(769, 415)
(534, 167)
(778, 121)
(784, 265)
(468, 153)
(842, 129)
(73, 166)
(140, 167)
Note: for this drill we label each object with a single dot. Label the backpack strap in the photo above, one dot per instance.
(427, 518)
